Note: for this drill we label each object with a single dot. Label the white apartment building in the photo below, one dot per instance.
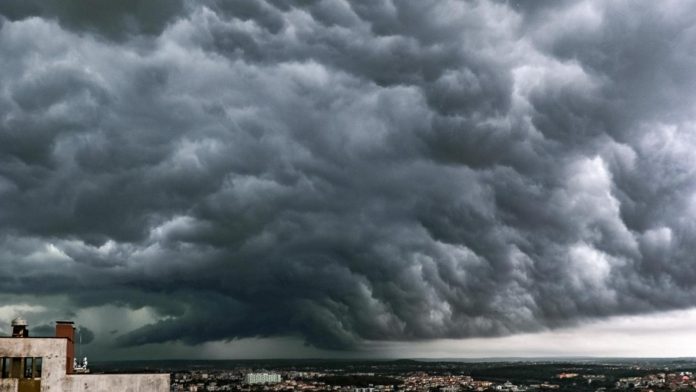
(262, 378)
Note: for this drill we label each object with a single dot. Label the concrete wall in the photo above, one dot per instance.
(52, 350)
(8, 385)
(117, 382)
(53, 376)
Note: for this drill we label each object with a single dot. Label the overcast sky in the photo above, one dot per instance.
(274, 178)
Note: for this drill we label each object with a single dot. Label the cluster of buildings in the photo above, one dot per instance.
(245, 381)
(425, 382)
(507, 386)
(313, 381)
(249, 381)
(196, 381)
(544, 386)
(454, 383)
(587, 377)
(673, 381)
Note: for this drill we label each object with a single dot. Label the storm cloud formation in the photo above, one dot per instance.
(349, 171)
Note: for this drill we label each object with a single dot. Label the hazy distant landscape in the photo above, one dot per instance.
(589, 374)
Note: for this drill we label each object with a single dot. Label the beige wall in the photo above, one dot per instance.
(53, 377)
(52, 350)
(8, 385)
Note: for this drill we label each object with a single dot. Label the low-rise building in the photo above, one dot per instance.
(567, 375)
(29, 364)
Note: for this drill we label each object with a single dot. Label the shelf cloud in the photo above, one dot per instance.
(349, 171)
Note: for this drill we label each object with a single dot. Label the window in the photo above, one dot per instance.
(4, 367)
(16, 367)
(38, 362)
(28, 367)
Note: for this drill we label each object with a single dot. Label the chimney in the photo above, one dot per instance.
(66, 329)
(19, 328)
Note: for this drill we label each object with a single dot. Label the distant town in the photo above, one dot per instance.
(433, 376)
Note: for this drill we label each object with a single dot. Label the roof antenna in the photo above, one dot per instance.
(82, 367)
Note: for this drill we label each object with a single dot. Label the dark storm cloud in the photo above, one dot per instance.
(111, 19)
(83, 335)
(349, 171)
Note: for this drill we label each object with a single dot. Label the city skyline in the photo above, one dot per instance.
(350, 179)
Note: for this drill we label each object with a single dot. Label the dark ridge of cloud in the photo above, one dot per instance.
(111, 19)
(83, 335)
(349, 171)
(43, 330)
(258, 11)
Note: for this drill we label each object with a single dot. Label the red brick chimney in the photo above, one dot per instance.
(66, 329)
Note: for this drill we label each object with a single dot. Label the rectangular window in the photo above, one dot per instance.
(5, 367)
(29, 367)
(16, 367)
(38, 362)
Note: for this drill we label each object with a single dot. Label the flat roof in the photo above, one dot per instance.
(118, 374)
(34, 337)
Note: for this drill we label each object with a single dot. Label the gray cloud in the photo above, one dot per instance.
(83, 334)
(109, 19)
(348, 171)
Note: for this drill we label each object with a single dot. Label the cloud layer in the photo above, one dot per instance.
(349, 172)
